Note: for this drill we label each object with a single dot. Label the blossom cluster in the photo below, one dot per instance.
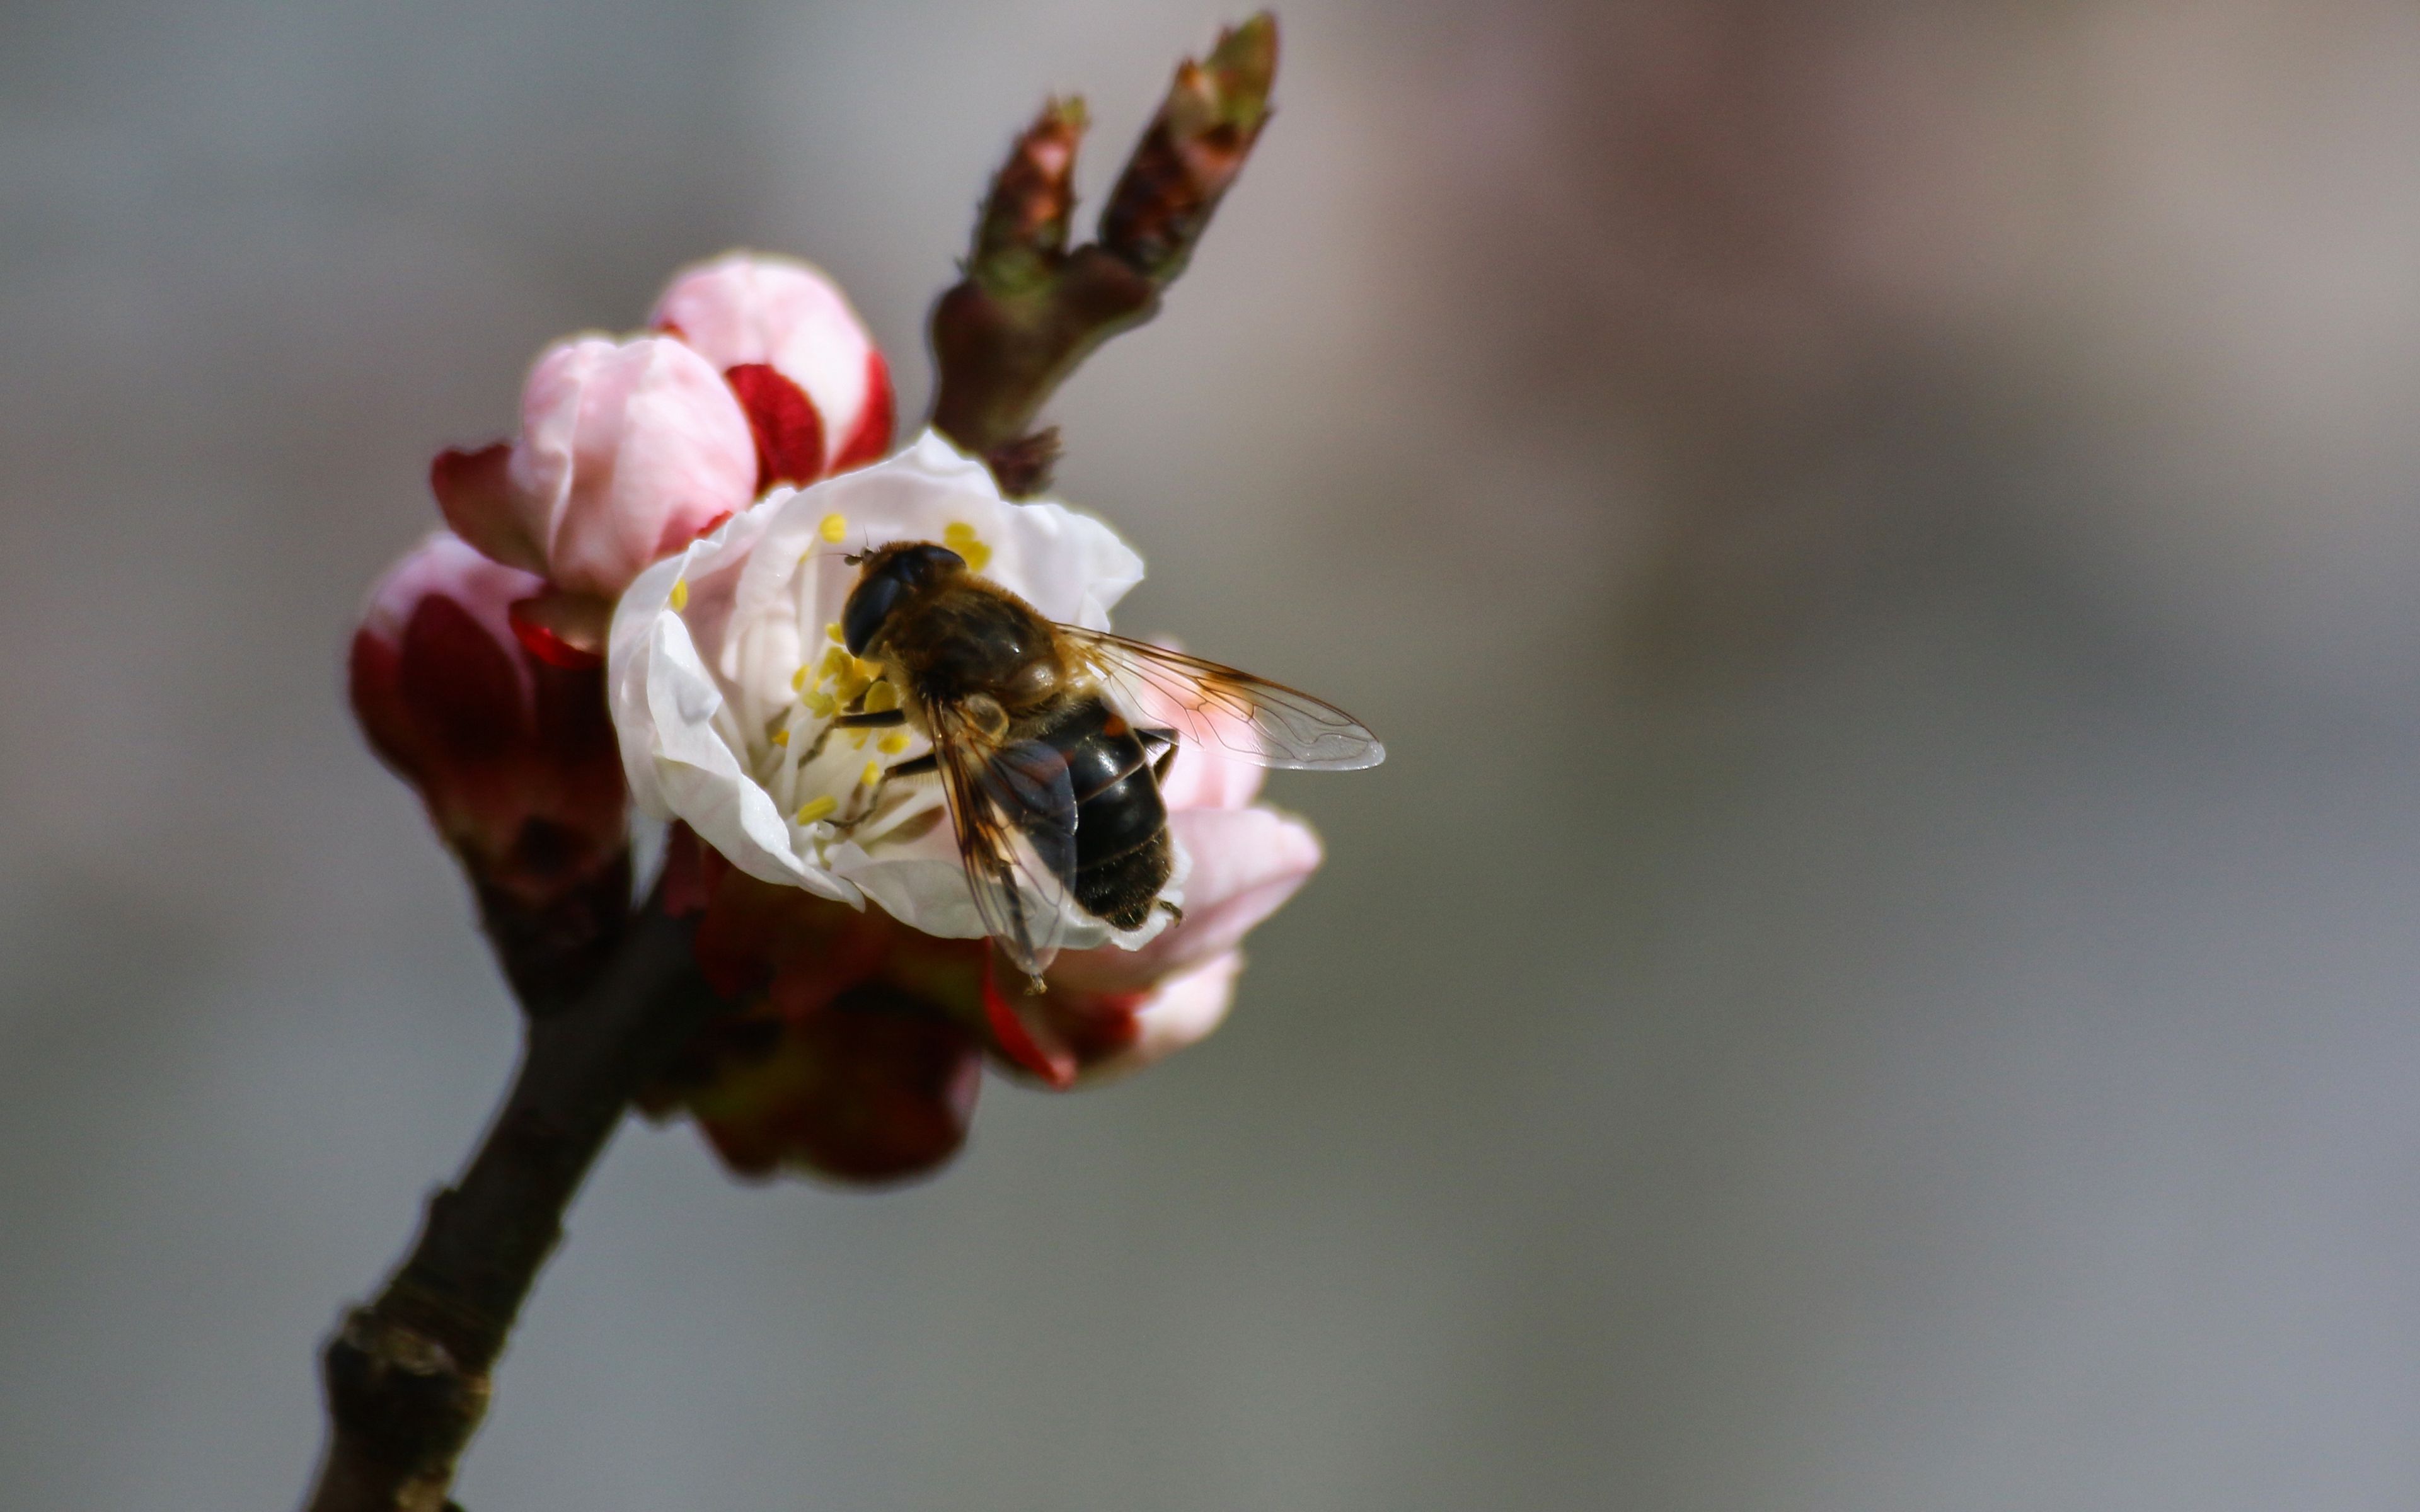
(635, 606)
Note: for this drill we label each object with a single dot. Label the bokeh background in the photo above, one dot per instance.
(1879, 973)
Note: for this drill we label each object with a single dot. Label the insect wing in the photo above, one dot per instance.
(1013, 807)
(1260, 721)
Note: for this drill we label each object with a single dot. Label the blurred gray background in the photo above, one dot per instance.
(1879, 973)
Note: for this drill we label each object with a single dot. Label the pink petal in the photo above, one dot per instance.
(1180, 1014)
(628, 452)
(444, 566)
(1204, 777)
(743, 309)
(1247, 862)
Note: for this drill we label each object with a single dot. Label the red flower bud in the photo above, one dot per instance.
(514, 758)
(872, 1086)
(846, 1055)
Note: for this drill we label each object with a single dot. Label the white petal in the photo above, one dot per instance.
(669, 710)
(694, 688)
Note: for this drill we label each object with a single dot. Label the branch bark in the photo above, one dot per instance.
(1029, 308)
(407, 1376)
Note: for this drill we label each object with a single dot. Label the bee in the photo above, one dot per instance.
(1051, 740)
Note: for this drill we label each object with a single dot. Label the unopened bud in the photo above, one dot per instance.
(628, 450)
(815, 388)
(514, 758)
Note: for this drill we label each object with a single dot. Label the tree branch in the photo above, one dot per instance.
(1029, 309)
(407, 1375)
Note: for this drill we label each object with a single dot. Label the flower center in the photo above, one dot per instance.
(834, 783)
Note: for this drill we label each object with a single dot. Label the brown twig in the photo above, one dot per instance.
(407, 1375)
(1029, 309)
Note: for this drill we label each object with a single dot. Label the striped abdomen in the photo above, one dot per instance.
(1122, 854)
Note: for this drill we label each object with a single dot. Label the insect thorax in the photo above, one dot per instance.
(967, 638)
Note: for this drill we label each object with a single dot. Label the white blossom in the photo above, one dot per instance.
(726, 671)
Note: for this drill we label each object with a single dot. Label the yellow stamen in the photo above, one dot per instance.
(814, 809)
(882, 698)
(960, 537)
(680, 595)
(893, 744)
(833, 629)
(833, 527)
(822, 705)
(872, 775)
(781, 738)
(835, 662)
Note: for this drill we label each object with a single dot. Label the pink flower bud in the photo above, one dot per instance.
(628, 452)
(515, 759)
(816, 391)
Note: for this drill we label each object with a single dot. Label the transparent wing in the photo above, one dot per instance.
(1261, 721)
(1014, 807)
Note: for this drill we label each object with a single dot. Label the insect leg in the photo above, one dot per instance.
(924, 765)
(879, 720)
(1159, 764)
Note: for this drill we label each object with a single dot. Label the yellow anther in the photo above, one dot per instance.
(832, 630)
(833, 527)
(836, 661)
(882, 698)
(893, 743)
(822, 705)
(856, 741)
(872, 775)
(781, 738)
(680, 595)
(814, 809)
(960, 537)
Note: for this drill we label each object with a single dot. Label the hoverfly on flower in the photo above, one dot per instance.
(1051, 739)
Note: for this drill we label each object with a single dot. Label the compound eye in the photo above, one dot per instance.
(869, 604)
(891, 574)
